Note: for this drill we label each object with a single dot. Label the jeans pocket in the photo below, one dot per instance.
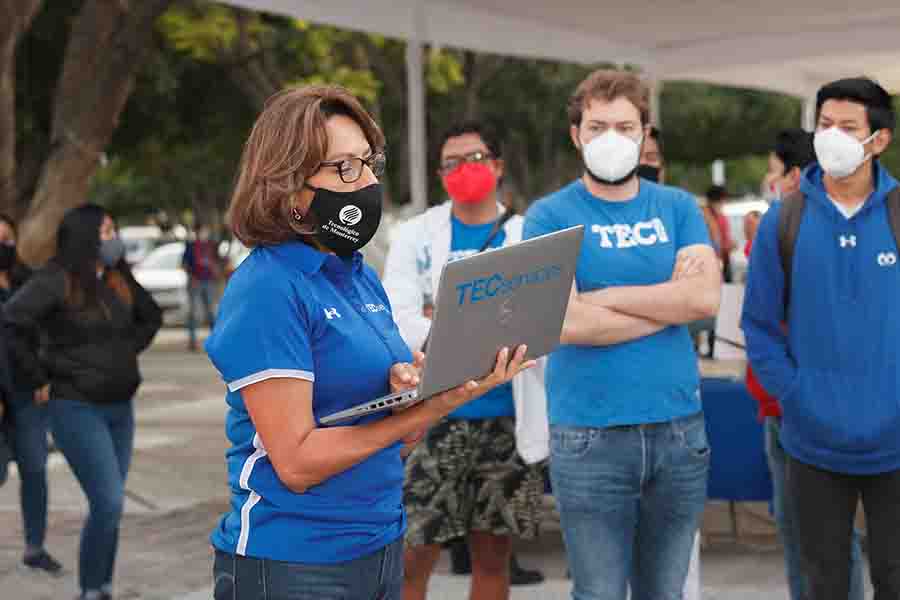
(696, 442)
(305, 581)
(571, 442)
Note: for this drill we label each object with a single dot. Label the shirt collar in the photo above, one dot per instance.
(309, 260)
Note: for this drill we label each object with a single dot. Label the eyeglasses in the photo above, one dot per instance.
(351, 169)
(450, 164)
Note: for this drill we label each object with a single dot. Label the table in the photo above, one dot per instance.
(738, 469)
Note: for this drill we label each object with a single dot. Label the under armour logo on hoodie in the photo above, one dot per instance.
(848, 240)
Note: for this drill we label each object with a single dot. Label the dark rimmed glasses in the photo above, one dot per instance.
(351, 169)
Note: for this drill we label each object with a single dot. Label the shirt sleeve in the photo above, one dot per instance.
(539, 221)
(692, 228)
(763, 312)
(24, 316)
(263, 332)
(403, 286)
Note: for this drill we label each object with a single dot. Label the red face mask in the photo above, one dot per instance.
(470, 183)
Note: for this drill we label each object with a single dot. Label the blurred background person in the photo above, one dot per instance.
(96, 319)
(716, 196)
(204, 269)
(6, 393)
(792, 153)
(28, 422)
(719, 231)
(750, 224)
(652, 165)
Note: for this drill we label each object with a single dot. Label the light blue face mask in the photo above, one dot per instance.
(112, 251)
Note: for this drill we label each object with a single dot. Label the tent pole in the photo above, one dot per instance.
(656, 86)
(418, 145)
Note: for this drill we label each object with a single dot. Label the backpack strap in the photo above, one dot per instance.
(789, 218)
(893, 205)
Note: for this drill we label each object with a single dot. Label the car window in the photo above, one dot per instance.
(167, 256)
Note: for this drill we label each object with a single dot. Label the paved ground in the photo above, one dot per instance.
(177, 491)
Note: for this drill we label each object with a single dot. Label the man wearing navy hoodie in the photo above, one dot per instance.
(835, 368)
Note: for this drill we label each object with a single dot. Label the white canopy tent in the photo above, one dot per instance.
(790, 47)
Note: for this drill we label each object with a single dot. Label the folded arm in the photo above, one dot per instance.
(587, 324)
(693, 293)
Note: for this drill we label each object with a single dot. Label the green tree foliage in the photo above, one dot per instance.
(212, 67)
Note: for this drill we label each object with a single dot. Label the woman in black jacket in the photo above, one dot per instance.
(95, 319)
(27, 422)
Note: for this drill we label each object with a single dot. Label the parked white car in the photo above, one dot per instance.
(161, 274)
(139, 241)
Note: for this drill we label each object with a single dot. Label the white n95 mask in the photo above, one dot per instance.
(612, 158)
(839, 153)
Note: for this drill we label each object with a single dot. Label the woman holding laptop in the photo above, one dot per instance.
(305, 330)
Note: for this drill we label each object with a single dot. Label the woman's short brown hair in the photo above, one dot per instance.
(288, 143)
(607, 85)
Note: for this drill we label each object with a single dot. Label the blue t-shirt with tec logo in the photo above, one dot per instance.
(632, 243)
(466, 241)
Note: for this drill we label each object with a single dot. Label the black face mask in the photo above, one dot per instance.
(7, 256)
(648, 172)
(346, 221)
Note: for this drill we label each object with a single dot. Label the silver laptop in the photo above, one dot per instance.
(507, 296)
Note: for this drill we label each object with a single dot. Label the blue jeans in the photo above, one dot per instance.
(378, 576)
(787, 529)
(30, 423)
(630, 500)
(97, 441)
(200, 291)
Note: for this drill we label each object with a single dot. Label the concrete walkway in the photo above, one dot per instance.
(177, 491)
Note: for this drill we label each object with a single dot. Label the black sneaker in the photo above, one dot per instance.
(521, 576)
(43, 562)
(460, 560)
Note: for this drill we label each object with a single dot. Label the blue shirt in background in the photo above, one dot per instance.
(291, 311)
(466, 241)
(632, 243)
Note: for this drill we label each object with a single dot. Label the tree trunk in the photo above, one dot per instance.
(108, 41)
(15, 18)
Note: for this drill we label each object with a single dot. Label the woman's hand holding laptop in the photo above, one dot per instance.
(405, 376)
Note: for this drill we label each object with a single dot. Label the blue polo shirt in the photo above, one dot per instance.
(291, 311)
(466, 241)
(653, 379)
